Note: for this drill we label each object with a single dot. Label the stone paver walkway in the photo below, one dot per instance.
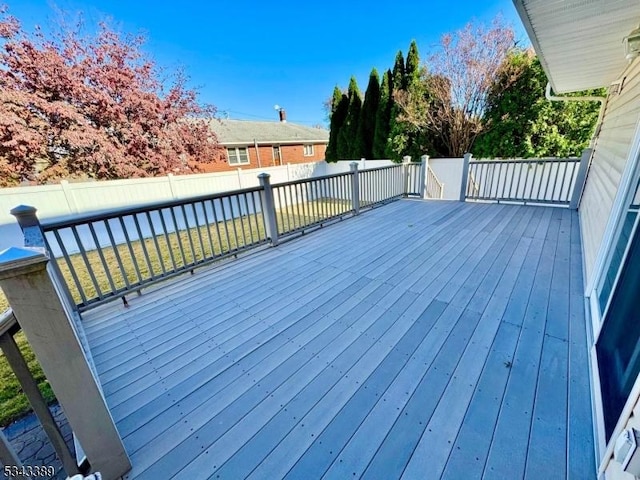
(32, 445)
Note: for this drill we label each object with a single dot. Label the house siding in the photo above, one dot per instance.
(288, 153)
(611, 154)
(614, 469)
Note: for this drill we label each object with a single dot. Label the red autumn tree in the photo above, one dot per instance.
(93, 107)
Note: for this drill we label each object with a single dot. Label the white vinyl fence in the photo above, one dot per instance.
(68, 199)
(449, 172)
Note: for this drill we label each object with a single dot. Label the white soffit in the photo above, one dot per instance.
(579, 42)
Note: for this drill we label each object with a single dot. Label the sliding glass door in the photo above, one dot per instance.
(618, 344)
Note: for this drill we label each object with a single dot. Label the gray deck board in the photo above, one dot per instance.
(490, 299)
(469, 452)
(418, 340)
(228, 351)
(514, 422)
(580, 433)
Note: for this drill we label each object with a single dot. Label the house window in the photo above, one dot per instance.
(277, 159)
(238, 156)
(618, 345)
(308, 150)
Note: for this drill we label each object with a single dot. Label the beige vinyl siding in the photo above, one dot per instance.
(611, 154)
(613, 470)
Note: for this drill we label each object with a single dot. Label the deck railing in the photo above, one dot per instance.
(384, 184)
(302, 204)
(553, 181)
(111, 254)
(8, 328)
(56, 338)
(434, 187)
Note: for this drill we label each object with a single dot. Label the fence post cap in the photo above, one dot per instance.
(22, 210)
(15, 261)
(424, 158)
(406, 158)
(353, 165)
(264, 175)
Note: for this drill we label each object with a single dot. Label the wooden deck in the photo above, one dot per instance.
(419, 340)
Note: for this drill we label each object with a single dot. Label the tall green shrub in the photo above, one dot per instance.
(383, 116)
(347, 147)
(367, 123)
(339, 107)
(399, 81)
(520, 122)
(412, 68)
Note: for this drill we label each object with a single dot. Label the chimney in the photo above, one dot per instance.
(283, 115)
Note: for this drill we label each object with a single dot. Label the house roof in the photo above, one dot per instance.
(579, 42)
(239, 132)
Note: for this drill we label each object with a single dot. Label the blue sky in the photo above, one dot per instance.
(245, 57)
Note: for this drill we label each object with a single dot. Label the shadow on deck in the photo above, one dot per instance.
(418, 340)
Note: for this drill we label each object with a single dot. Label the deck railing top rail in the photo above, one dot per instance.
(315, 179)
(123, 211)
(524, 160)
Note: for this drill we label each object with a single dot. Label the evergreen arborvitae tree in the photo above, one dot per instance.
(407, 139)
(367, 123)
(398, 72)
(347, 148)
(383, 115)
(412, 67)
(392, 149)
(335, 99)
(339, 106)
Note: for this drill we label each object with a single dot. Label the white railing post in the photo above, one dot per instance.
(49, 330)
(465, 177)
(406, 160)
(578, 186)
(423, 176)
(355, 188)
(269, 208)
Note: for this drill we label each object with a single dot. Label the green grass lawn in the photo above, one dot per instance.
(14, 404)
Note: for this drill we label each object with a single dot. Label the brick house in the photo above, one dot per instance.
(250, 144)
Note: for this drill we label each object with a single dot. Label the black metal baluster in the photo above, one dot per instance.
(103, 260)
(155, 242)
(87, 264)
(72, 268)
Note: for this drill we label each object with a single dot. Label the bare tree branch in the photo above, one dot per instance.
(452, 96)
